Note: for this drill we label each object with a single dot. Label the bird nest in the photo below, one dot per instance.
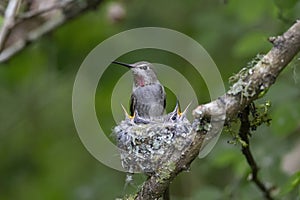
(146, 144)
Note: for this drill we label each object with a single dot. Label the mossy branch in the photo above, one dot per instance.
(244, 134)
(254, 82)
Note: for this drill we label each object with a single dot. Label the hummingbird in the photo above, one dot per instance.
(176, 115)
(148, 97)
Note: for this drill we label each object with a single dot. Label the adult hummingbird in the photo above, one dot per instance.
(148, 98)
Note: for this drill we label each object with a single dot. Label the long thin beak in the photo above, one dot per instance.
(123, 64)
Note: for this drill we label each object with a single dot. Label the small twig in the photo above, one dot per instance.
(9, 19)
(35, 13)
(166, 195)
(244, 134)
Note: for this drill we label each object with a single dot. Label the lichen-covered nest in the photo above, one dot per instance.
(145, 144)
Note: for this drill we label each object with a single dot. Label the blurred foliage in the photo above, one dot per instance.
(41, 155)
(291, 184)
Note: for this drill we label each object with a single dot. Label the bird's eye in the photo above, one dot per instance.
(144, 67)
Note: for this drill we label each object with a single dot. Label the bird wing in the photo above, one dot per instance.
(162, 90)
(132, 104)
(146, 99)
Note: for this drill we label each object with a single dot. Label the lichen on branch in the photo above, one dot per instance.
(257, 80)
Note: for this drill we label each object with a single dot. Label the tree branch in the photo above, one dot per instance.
(69, 9)
(35, 13)
(244, 134)
(9, 20)
(251, 85)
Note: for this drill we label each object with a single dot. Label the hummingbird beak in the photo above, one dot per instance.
(127, 116)
(123, 64)
(177, 108)
(185, 110)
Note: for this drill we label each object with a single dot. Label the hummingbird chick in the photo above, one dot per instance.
(176, 114)
(148, 98)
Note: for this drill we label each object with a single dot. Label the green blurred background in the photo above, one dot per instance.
(41, 155)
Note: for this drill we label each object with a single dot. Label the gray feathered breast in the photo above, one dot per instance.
(148, 101)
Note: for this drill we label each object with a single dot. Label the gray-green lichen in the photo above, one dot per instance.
(165, 171)
(127, 197)
(259, 115)
(242, 85)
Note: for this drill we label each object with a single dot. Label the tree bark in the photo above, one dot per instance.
(254, 83)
